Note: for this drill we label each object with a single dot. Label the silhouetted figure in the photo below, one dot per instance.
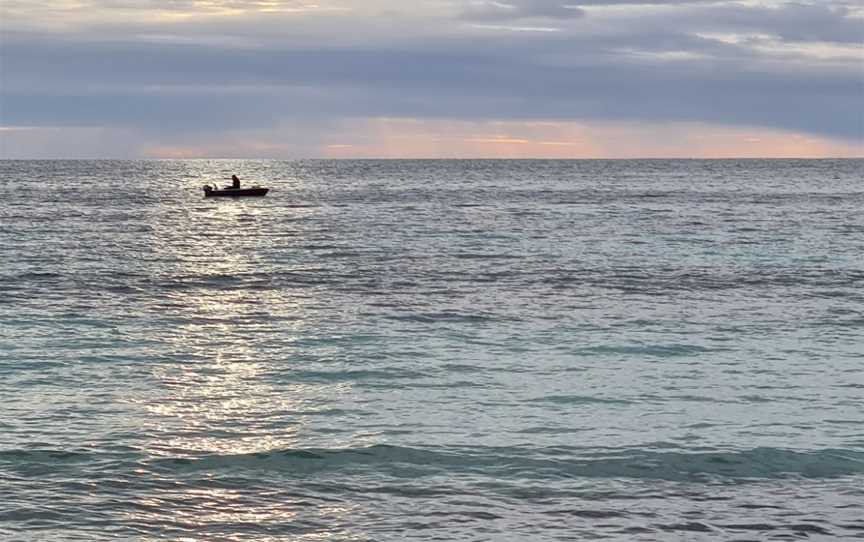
(235, 181)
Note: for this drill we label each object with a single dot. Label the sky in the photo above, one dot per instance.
(431, 78)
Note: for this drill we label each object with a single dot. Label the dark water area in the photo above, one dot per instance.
(432, 350)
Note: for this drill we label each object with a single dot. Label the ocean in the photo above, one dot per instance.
(432, 350)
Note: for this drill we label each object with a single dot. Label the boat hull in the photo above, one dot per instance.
(236, 192)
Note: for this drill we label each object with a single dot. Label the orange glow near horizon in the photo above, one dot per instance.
(414, 138)
(408, 138)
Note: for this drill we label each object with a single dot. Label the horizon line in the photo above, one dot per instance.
(487, 158)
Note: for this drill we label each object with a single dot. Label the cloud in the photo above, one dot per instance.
(719, 64)
(68, 142)
(519, 9)
(411, 138)
(496, 10)
(790, 22)
(423, 138)
(611, 77)
(102, 8)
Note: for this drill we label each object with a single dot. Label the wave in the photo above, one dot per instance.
(806, 282)
(357, 375)
(557, 463)
(664, 351)
(662, 280)
(658, 462)
(447, 316)
(578, 400)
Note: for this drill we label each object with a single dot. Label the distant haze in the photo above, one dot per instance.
(430, 78)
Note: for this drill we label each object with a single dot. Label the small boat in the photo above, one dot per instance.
(228, 192)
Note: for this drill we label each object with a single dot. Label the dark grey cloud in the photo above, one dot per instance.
(495, 10)
(187, 88)
(828, 22)
(792, 22)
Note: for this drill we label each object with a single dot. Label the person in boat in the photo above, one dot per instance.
(235, 182)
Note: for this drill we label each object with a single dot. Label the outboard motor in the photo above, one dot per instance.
(207, 188)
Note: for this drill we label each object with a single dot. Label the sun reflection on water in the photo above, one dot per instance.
(219, 387)
(227, 396)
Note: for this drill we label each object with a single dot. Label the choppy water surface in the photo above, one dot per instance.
(451, 350)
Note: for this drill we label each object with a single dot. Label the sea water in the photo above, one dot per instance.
(432, 350)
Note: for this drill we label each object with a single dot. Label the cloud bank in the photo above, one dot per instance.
(297, 79)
